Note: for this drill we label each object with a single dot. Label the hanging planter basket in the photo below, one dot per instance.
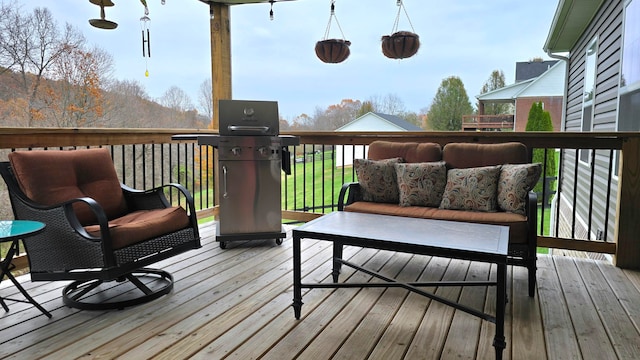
(333, 51)
(400, 45)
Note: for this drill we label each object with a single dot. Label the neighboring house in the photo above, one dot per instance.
(547, 87)
(370, 121)
(600, 40)
(526, 70)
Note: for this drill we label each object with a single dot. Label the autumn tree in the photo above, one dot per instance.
(336, 115)
(29, 45)
(77, 96)
(495, 81)
(450, 103)
(366, 107)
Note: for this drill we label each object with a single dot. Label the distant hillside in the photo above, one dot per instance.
(60, 104)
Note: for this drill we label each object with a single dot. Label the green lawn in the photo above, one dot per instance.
(311, 190)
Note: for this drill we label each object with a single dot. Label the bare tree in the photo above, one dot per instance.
(205, 99)
(389, 104)
(175, 98)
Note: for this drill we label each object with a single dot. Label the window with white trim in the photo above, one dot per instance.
(629, 93)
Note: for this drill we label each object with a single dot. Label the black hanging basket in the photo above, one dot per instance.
(333, 51)
(400, 45)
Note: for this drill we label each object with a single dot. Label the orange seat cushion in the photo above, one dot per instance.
(143, 225)
(517, 223)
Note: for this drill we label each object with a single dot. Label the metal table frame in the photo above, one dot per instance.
(373, 231)
(25, 228)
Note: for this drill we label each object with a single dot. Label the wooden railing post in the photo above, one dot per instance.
(628, 208)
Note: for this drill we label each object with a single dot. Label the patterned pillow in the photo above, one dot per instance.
(421, 184)
(515, 183)
(471, 189)
(377, 179)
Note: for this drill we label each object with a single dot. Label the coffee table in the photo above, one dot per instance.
(459, 240)
(12, 231)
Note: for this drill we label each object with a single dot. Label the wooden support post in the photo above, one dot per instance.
(628, 212)
(220, 68)
(220, 56)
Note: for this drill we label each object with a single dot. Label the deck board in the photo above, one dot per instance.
(236, 304)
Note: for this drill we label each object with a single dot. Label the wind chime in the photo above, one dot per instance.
(146, 36)
(333, 51)
(400, 44)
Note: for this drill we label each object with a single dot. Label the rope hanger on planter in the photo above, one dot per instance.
(400, 44)
(333, 50)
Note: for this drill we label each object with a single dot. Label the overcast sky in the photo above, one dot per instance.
(275, 59)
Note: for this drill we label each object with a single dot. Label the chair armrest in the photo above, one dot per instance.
(349, 193)
(155, 199)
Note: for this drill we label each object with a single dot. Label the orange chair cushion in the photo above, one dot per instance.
(51, 177)
(143, 225)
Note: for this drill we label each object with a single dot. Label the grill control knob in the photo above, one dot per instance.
(236, 151)
(263, 151)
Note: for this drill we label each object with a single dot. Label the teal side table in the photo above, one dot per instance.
(12, 231)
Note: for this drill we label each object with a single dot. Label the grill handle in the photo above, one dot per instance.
(262, 129)
(225, 194)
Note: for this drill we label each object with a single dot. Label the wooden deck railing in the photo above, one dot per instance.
(485, 122)
(588, 173)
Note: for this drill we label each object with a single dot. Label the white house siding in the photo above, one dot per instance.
(607, 26)
(366, 123)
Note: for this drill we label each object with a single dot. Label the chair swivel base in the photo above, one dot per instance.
(89, 295)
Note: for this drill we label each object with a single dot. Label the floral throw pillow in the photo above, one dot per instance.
(377, 179)
(515, 183)
(471, 189)
(421, 184)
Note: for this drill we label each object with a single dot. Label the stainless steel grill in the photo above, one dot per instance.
(251, 157)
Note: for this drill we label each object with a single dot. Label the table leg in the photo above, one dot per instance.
(297, 278)
(337, 265)
(501, 295)
(6, 271)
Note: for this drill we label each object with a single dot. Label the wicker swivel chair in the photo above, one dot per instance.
(97, 230)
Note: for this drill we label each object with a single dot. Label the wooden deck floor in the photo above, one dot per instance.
(235, 304)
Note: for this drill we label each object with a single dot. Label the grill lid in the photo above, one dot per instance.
(249, 118)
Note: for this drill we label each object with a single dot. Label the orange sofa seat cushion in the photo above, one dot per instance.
(143, 225)
(517, 223)
(51, 177)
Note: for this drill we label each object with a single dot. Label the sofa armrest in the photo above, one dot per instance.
(349, 193)
(531, 211)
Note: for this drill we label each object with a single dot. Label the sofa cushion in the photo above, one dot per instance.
(143, 225)
(465, 155)
(421, 184)
(517, 223)
(51, 177)
(471, 189)
(411, 152)
(378, 179)
(515, 183)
